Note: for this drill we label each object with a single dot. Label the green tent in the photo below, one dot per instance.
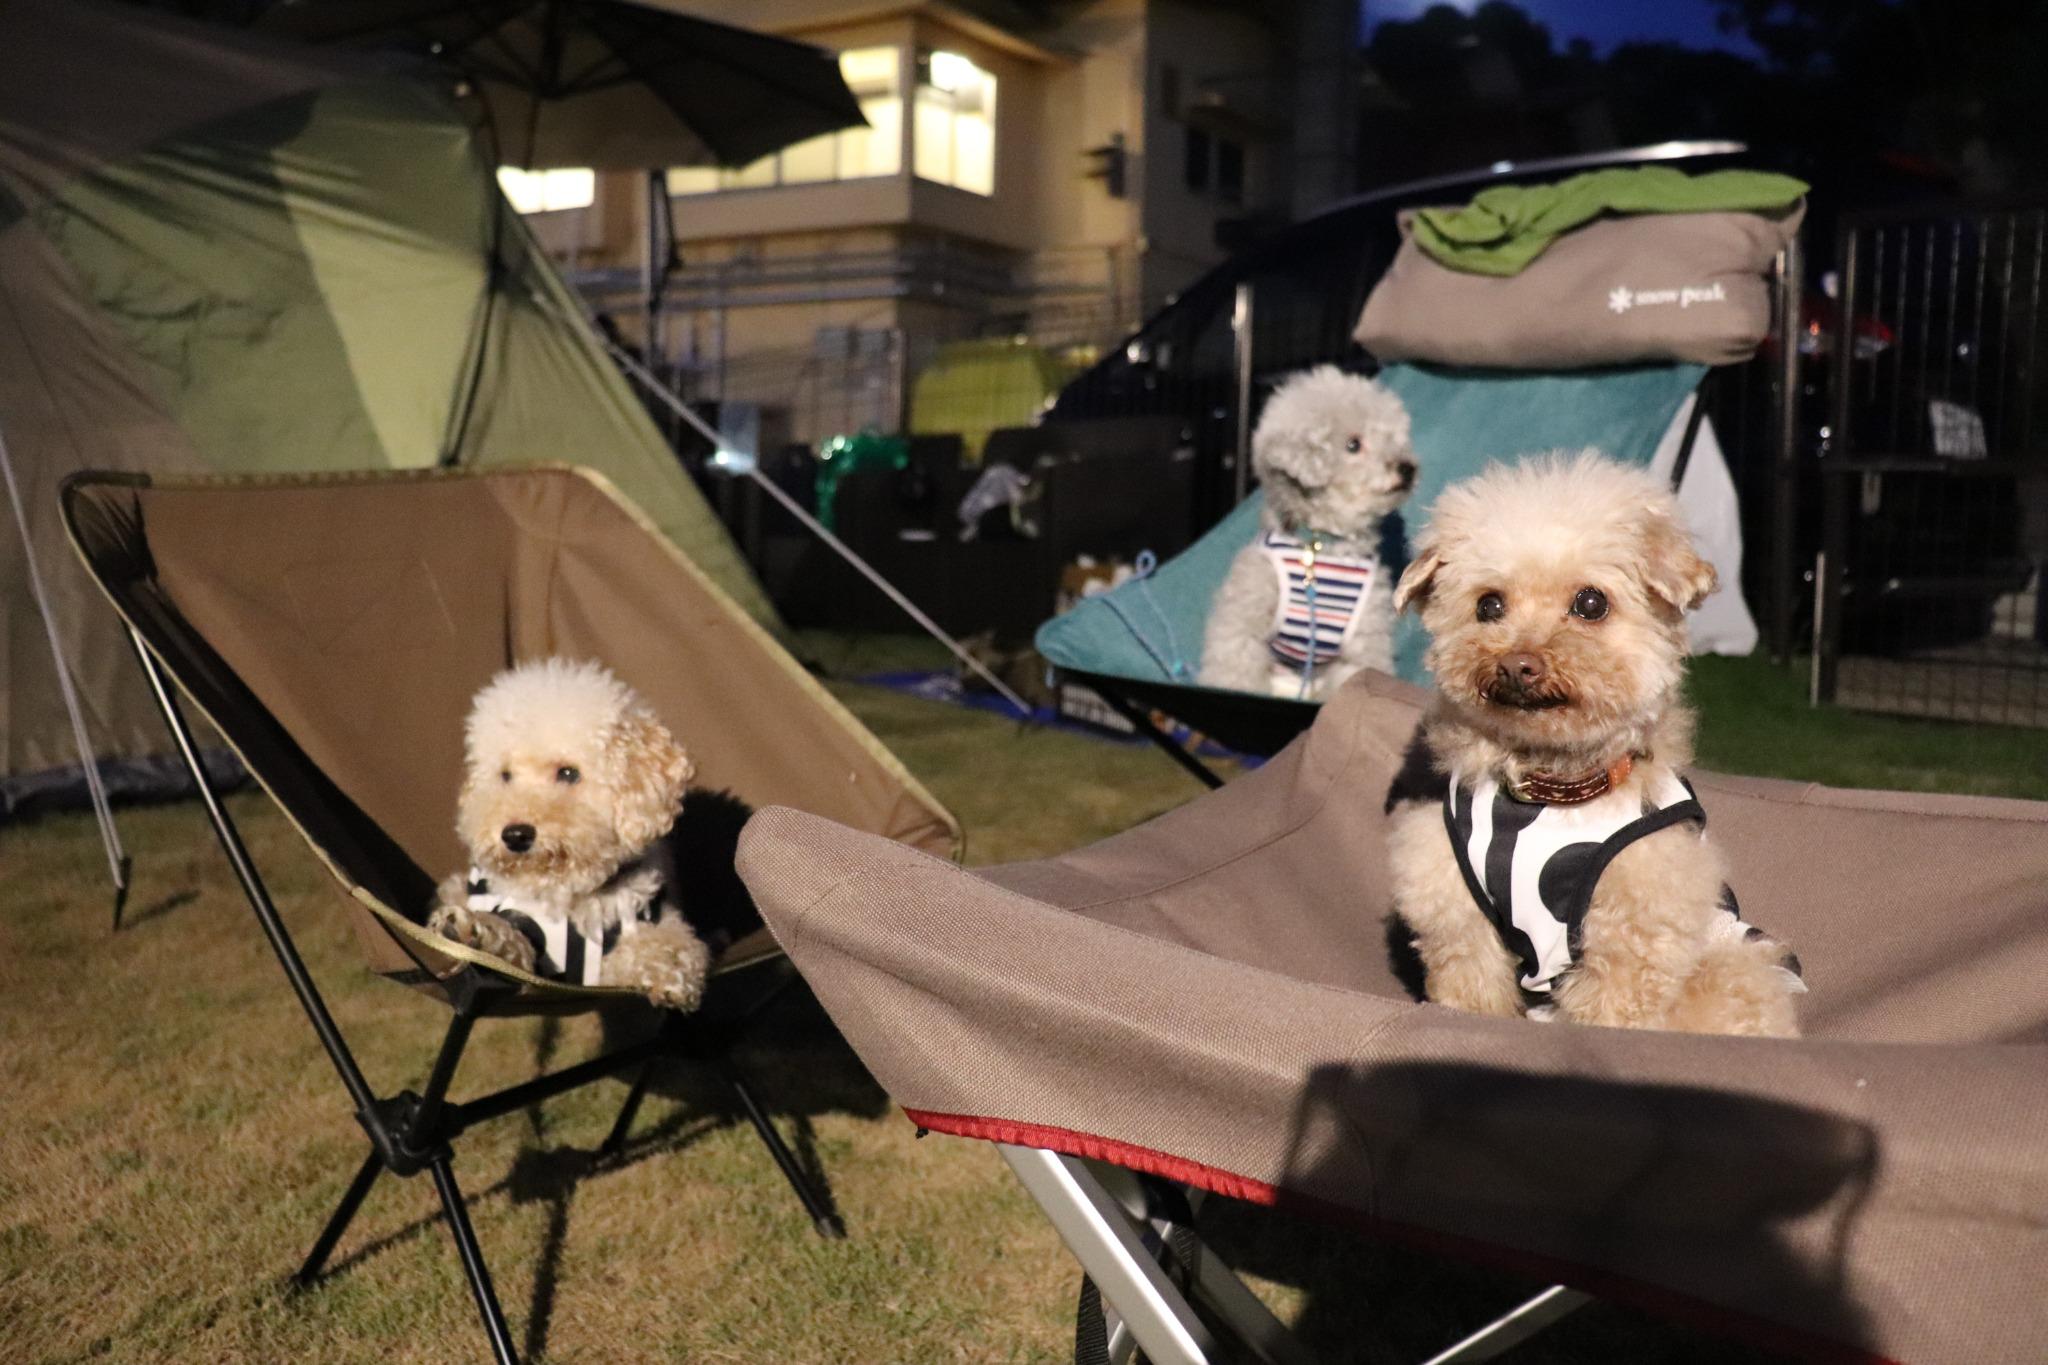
(221, 254)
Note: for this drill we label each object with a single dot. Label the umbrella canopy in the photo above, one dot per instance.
(604, 83)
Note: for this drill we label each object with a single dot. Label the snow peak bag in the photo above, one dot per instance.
(1650, 287)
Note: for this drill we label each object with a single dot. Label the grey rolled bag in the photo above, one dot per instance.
(1651, 287)
(1211, 998)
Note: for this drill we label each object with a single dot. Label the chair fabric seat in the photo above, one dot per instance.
(333, 629)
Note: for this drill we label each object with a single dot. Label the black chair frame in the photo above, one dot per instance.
(414, 1131)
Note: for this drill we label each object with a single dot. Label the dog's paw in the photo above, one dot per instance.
(485, 932)
(668, 966)
(676, 989)
(453, 921)
(676, 981)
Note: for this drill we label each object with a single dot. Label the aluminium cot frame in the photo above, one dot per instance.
(1152, 1273)
(413, 1131)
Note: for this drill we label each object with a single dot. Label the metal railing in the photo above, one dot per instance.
(1935, 476)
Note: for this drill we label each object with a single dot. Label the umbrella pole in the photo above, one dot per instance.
(660, 251)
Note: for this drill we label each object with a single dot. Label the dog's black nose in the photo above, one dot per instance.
(1405, 473)
(518, 838)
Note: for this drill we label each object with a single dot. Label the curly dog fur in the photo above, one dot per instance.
(1333, 457)
(1526, 686)
(571, 803)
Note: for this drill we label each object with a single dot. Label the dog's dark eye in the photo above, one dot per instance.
(1354, 445)
(1492, 606)
(568, 775)
(1590, 604)
(504, 774)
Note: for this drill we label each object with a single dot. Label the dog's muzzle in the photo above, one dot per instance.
(518, 838)
(1518, 681)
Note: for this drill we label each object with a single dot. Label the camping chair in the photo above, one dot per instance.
(333, 630)
(1211, 1000)
(1139, 645)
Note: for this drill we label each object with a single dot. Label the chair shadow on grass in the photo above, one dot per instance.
(1575, 1169)
(797, 1063)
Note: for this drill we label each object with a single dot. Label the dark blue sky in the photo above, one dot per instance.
(1605, 22)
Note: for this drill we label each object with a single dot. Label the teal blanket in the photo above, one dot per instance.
(1150, 629)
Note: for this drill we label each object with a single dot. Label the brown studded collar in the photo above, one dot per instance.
(1549, 789)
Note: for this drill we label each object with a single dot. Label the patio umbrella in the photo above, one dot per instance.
(608, 84)
(611, 84)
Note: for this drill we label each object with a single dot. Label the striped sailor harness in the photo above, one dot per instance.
(562, 951)
(1321, 601)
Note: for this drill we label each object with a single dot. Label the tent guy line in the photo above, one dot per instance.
(110, 836)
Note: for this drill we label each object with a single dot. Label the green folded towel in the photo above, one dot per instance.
(1508, 226)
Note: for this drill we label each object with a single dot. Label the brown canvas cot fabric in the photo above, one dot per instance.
(1618, 291)
(334, 629)
(1211, 996)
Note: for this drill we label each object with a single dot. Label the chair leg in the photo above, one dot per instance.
(628, 1111)
(1141, 721)
(344, 1214)
(473, 1262)
(827, 1222)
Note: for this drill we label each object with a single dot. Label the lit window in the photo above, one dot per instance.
(871, 73)
(956, 123)
(692, 179)
(547, 191)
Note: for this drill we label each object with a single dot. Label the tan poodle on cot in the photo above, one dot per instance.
(1548, 857)
(1308, 603)
(572, 783)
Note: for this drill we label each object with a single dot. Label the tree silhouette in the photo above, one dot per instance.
(1956, 81)
(1871, 97)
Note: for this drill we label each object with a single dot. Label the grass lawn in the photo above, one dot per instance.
(1754, 719)
(173, 1137)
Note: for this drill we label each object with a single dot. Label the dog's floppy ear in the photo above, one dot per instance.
(1303, 456)
(1670, 568)
(653, 773)
(1416, 578)
(466, 798)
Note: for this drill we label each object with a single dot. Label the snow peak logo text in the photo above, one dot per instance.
(1621, 298)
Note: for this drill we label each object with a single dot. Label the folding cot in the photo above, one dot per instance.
(1212, 1000)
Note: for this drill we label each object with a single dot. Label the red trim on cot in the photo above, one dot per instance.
(1668, 1303)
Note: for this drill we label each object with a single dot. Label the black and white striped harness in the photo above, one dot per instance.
(561, 951)
(1532, 867)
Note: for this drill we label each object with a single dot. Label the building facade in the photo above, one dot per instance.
(1053, 171)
